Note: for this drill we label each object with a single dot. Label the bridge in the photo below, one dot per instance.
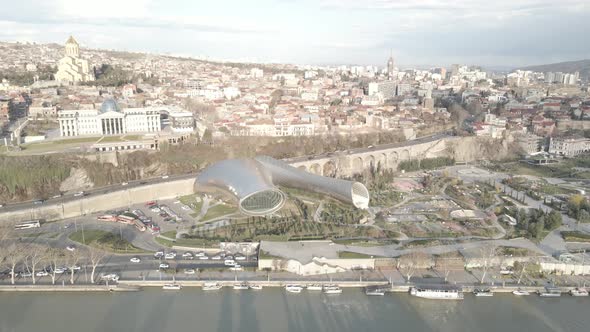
(386, 156)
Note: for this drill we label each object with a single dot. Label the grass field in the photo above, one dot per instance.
(575, 236)
(218, 211)
(352, 255)
(105, 240)
(56, 145)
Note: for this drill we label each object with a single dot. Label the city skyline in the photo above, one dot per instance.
(425, 33)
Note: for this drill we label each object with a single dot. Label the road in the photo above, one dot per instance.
(30, 205)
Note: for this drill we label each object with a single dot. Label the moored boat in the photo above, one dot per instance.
(209, 286)
(580, 291)
(255, 287)
(332, 289)
(437, 293)
(374, 291)
(483, 292)
(172, 287)
(520, 292)
(314, 287)
(241, 286)
(293, 288)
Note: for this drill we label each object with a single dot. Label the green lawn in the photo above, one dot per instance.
(59, 144)
(196, 242)
(104, 240)
(189, 200)
(218, 211)
(575, 236)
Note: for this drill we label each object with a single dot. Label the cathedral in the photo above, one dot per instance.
(71, 68)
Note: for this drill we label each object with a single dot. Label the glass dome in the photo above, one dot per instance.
(109, 105)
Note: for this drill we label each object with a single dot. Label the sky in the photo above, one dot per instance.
(491, 33)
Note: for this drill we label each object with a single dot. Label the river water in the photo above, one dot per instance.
(275, 310)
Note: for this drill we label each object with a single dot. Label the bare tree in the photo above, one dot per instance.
(487, 254)
(409, 263)
(72, 258)
(95, 255)
(15, 253)
(56, 258)
(34, 255)
(444, 263)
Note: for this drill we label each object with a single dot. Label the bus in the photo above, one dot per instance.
(28, 224)
(107, 217)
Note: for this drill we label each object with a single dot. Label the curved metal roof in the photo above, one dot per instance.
(253, 183)
(109, 105)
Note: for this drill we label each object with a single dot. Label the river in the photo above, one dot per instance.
(275, 310)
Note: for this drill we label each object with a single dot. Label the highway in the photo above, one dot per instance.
(97, 191)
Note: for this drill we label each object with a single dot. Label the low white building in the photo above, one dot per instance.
(108, 120)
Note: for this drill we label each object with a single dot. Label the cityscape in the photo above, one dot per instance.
(276, 196)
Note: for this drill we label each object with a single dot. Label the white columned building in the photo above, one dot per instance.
(109, 120)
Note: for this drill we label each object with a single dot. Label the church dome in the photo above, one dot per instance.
(109, 105)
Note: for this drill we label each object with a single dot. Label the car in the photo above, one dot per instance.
(176, 202)
(25, 274)
(229, 262)
(66, 226)
(170, 256)
(229, 257)
(135, 260)
(110, 277)
(200, 254)
(124, 183)
(164, 265)
(165, 177)
(188, 254)
(159, 254)
(204, 258)
(70, 248)
(79, 194)
(164, 215)
(37, 202)
(240, 258)
(189, 271)
(57, 196)
(60, 270)
(216, 258)
(76, 267)
(150, 203)
(155, 209)
(184, 207)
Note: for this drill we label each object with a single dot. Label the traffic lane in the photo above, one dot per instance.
(101, 190)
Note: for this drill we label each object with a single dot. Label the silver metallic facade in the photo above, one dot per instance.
(253, 183)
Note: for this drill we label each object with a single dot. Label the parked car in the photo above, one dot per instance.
(159, 254)
(42, 274)
(135, 260)
(188, 255)
(70, 248)
(189, 271)
(165, 177)
(164, 265)
(170, 255)
(79, 194)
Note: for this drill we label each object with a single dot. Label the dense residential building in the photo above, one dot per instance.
(71, 68)
(569, 147)
(108, 120)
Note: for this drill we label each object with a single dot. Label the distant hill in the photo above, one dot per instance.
(582, 66)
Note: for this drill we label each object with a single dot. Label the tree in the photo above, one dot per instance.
(554, 220)
(72, 258)
(56, 258)
(15, 253)
(487, 254)
(407, 264)
(34, 255)
(95, 255)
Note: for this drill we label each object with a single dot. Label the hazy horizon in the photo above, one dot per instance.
(505, 34)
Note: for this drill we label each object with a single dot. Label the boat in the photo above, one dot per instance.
(172, 287)
(550, 292)
(314, 287)
(483, 292)
(580, 291)
(241, 286)
(520, 292)
(256, 287)
(209, 286)
(293, 288)
(437, 293)
(332, 289)
(374, 292)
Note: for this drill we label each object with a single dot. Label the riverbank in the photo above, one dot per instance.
(68, 288)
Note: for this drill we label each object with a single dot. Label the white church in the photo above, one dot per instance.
(71, 68)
